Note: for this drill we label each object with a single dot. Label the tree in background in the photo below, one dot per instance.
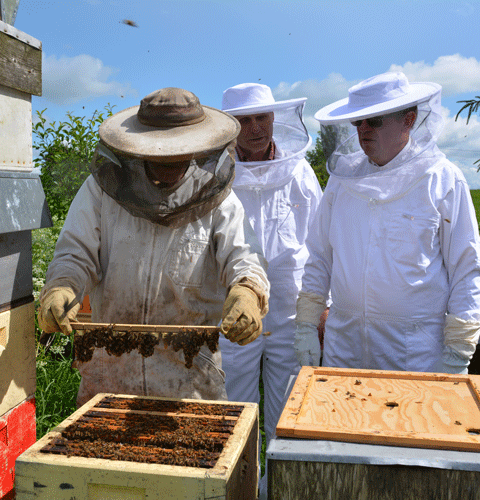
(318, 161)
(65, 150)
(473, 106)
(328, 139)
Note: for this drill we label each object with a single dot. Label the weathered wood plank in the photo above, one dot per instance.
(20, 65)
(292, 480)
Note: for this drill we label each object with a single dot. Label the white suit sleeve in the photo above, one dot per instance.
(76, 259)
(238, 251)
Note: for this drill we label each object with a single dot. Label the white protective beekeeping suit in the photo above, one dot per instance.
(280, 197)
(396, 245)
(150, 255)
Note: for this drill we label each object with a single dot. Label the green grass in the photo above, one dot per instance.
(57, 384)
(476, 202)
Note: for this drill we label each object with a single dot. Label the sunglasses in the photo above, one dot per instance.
(374, 122)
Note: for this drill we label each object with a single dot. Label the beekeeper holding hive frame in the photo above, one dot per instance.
(396, 240)
(156, 236)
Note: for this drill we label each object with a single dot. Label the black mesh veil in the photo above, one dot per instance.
(206, 183)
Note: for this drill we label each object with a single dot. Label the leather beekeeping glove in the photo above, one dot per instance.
(241, 315)
(51, 316)
(306, 344)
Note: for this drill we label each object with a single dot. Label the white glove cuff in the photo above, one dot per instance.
(461, 335)
(310, 307)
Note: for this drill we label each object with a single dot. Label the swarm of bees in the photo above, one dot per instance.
(118, 342)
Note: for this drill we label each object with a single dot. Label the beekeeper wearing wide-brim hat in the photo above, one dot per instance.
(156, 236)
(396, 239)
(280, 193)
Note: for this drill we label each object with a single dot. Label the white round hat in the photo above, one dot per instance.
(253, 98)
(378, 95)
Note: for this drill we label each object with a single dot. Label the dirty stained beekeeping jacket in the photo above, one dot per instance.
(138, 271)
(398, 246)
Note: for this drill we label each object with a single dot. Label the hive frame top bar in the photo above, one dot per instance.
(142, 328)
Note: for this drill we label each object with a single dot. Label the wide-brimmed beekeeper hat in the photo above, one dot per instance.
(379, 95)
(252, 99)
(169, 125)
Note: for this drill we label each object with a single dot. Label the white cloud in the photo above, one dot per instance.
(461, 144)
(456, 74)
(70, 79)
(318, 94)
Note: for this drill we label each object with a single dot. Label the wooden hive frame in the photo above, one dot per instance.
(51, 476)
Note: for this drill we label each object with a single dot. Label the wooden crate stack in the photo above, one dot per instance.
(22, 209)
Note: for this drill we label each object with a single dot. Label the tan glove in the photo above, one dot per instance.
(51, 315)
(241, 315)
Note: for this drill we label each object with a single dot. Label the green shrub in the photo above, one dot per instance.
(64, 150)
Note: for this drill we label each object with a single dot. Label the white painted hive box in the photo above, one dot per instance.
(129, 425)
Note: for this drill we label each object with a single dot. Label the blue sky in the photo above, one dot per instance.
(300, 48)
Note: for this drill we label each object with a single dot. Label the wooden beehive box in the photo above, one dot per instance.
(372, 435)
(145, 448)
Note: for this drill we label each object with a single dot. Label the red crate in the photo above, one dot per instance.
(17, 433)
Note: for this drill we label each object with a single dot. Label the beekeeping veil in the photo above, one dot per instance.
(381, 95)
(168, 127)
(289, 133)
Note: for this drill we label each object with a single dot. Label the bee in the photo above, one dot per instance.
(129, 22)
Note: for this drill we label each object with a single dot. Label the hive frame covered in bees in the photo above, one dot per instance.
(53, 476)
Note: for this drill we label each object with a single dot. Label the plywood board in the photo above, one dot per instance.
(425, 410)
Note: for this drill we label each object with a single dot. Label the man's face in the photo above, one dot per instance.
(166, 174)
(256, 135)
(382, 143)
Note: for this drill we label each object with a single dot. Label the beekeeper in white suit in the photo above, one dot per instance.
(156, 236)
(280, 193)
(396, 240)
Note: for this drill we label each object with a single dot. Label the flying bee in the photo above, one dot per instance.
(129, 22)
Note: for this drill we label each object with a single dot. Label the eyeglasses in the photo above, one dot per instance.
(374, 122)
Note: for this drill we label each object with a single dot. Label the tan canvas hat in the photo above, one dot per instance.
(169, 125)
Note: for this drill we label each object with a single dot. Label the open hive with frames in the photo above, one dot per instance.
(148, 447)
